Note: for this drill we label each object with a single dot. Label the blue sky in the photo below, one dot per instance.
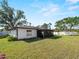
(44, 11)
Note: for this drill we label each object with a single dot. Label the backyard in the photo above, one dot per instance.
(63, 47)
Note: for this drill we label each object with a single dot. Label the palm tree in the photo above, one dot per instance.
(9, 16)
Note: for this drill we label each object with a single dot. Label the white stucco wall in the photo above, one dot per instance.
(22, 33)
(65, 33)
(12, 33)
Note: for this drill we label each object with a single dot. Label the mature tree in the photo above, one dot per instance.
(10, 17)
(71, 21)
(67, 23)
(59, 25)
(38, 26)
(44, 26)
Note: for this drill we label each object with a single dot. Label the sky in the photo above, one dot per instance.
(44, 11)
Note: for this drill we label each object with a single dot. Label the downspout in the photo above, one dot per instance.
(17, 32)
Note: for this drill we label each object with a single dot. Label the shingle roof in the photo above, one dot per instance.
(31, 27)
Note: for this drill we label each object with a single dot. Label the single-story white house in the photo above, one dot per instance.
(27, 32)
(23, 32)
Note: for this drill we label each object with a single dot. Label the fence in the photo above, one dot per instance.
(66, 33)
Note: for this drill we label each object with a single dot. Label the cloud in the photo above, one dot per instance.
(68, 13)
(73, 8)
(46, 9)
(50, 11)
(72, 1)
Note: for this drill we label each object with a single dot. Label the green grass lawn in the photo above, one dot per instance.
(65, 47)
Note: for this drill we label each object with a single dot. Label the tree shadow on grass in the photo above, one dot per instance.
(32, 40)
(55, 37)
(11, 39)
(25, 40)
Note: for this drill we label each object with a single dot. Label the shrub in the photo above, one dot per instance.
(11, 38)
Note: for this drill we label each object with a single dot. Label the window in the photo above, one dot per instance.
(29, 32)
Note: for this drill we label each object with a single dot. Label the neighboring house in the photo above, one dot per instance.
(28, 32)
(3, 33)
